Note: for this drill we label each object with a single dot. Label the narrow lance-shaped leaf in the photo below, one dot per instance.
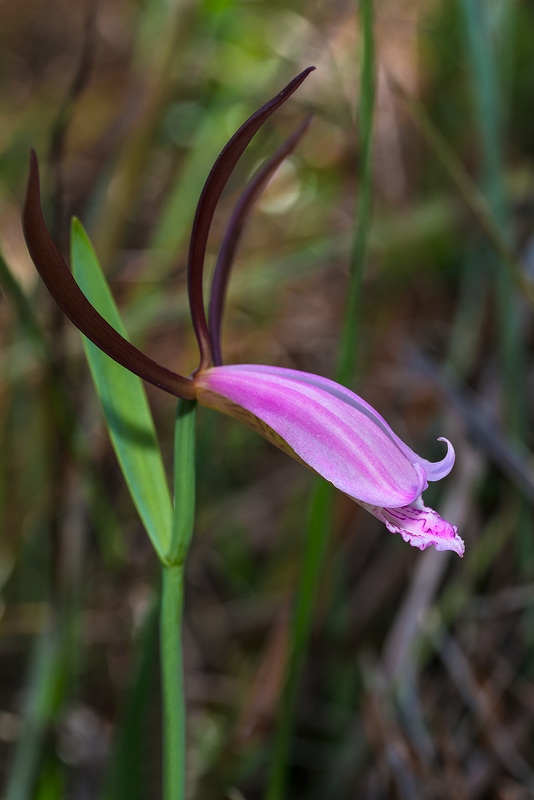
(125, 405)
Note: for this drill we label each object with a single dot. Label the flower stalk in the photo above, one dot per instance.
(172, 601)
(172, 682)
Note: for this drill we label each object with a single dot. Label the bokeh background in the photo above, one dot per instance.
(419, 676)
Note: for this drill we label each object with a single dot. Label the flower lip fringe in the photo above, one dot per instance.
(322, 424)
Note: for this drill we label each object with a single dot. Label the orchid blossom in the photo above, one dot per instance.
(320, 423)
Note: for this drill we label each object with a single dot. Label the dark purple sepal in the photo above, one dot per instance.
(209, 197)
(233, 234)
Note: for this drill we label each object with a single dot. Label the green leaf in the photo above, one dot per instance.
(125, 405)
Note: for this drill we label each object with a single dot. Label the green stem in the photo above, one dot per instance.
(172, 670)
(486, 55)
(301, 627)
(184, 481)
(322, 500)
(348, 350)
(172, 602)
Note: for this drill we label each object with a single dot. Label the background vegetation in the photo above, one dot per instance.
(419, 676)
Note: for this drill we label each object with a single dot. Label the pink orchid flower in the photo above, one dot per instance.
(323, 425)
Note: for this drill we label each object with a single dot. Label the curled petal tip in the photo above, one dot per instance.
(450, 452)
(439, 469)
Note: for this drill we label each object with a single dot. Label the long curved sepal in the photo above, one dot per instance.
(209, 197)
(234, 232)
(59, 281)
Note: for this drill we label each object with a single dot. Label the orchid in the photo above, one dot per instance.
(326, 427)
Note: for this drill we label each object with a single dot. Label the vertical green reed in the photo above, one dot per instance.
(127, 767)
(485, 54)
(322, 501)
(45, 677)
(172, 684)
(348, 348)
(488, 97)
(53, 662)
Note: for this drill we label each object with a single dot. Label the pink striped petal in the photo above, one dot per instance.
(332, 430)
(434, 471)
(341, 437)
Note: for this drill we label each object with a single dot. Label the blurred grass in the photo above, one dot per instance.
(316, 542)
(167, 84)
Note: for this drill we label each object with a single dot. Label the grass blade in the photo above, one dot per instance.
(321, 506)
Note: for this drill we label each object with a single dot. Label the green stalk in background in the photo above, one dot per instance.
(46, 674)
(488, 106)
(301, 623)
(127, 768)
(322, 501)
(348, 353)
(487, 91)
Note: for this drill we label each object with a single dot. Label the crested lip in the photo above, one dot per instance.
(334, 431)
(432, 529)
(419, 526)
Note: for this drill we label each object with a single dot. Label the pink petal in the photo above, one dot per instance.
(435, 471)
(331, 429)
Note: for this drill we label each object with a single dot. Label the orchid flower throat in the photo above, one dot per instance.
(321, 424)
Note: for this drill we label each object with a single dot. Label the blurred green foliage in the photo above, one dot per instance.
(418, 681)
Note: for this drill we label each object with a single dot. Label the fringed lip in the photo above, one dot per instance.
(420, 526)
